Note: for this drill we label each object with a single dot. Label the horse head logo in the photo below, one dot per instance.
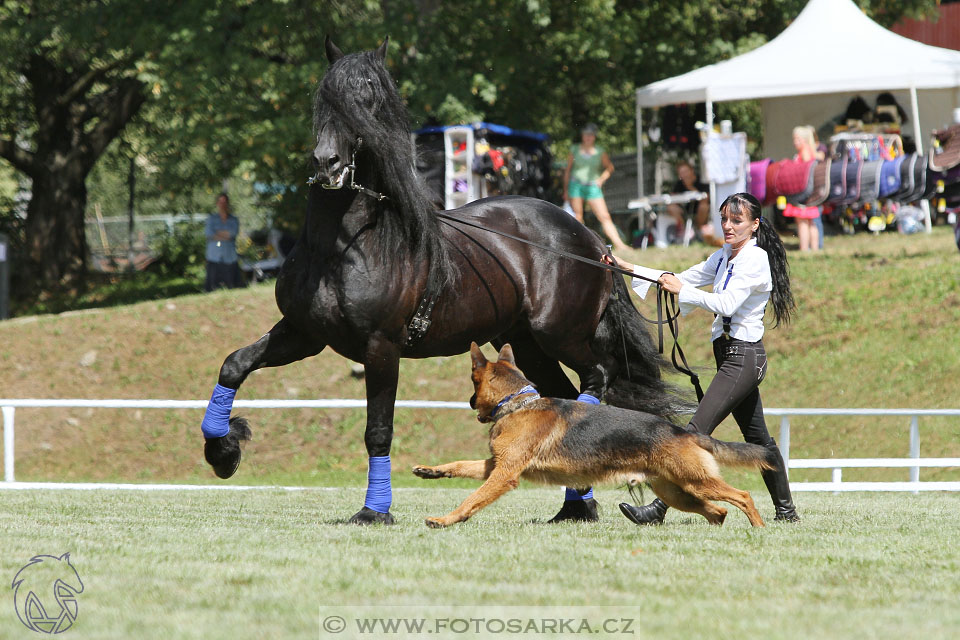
(45, 594)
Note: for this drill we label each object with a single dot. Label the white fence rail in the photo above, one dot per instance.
(913, 462)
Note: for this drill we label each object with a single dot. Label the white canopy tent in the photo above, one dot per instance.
(808, 74)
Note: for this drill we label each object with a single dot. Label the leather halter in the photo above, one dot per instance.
(349, 169)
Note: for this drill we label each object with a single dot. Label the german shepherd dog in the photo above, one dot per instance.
(575, 444)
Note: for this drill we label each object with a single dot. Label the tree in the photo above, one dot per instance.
(70, 85)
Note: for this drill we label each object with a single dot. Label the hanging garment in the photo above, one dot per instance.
(722, 157)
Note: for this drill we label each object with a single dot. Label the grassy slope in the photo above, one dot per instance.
(262, 564)
(877, 327)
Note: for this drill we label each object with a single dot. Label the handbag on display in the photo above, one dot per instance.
(853, 173)
(757, 179)
(821, 183)
(945, 146)
(870, 181)
(838, 179)
(795, 180)
(920, 169)
(772, 170)
(906, 178)
(890, 171)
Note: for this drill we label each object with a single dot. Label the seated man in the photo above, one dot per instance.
(687, 180)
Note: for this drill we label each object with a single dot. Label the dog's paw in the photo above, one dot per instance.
(436, 523)
(428, 473)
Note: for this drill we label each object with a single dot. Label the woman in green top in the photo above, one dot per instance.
(588, 167)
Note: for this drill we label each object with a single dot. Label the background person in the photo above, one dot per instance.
(221, 231)
(749, 271)
(588, 167)
(687, 180)
(808, 231)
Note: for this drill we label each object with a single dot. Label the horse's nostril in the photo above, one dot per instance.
(333, 160)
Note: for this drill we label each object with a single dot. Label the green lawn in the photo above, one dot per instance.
(261, 564)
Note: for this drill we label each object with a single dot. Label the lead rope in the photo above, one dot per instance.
(664, 299)
(670, 302)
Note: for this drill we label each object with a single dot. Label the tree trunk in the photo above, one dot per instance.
(55, 233)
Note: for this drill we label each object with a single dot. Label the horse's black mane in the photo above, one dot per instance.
(358, 98)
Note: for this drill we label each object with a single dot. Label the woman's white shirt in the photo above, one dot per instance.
(741, 289)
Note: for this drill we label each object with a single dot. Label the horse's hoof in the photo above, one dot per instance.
(427, 473)
(223, 454)
(369, 516)
(577, 511)
(434, 523)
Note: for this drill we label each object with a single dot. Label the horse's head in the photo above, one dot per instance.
(356, 101)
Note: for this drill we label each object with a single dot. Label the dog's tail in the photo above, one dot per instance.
(738, 454)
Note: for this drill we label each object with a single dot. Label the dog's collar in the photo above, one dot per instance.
(524, 390)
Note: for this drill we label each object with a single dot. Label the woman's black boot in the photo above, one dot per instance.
(652, 513)
(779, 487)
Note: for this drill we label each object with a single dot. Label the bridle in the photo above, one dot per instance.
(350, 169)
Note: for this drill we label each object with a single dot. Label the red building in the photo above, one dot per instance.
(942, 32)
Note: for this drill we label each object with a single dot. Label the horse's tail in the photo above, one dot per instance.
(638, 383)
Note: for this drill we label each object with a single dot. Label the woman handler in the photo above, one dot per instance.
(749, 270)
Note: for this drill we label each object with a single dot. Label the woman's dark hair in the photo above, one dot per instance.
(769, 241)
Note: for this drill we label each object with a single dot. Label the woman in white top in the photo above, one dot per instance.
(749, 271)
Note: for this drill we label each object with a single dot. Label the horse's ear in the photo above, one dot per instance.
(506, 354)
(477, 356)
(333, 51)
(382, 49)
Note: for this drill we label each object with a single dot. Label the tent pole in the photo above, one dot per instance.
(713, 185)
(918, 137)
(639, 151)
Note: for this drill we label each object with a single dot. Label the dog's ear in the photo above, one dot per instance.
(477, 356)
(506, 355)
(333, 51)
(382, 49)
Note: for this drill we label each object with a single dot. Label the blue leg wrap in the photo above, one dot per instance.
(379, 493)
(573, 494)
(216, 421)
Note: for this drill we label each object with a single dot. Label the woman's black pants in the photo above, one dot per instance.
(741, 367)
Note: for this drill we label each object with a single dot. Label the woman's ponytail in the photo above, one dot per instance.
(781, 296)
(769, 241)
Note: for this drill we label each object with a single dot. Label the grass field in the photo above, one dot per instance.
(877, 327)
(260, 564)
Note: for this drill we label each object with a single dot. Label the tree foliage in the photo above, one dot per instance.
(196, 89)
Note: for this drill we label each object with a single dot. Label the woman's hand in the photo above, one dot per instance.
(670, 282)
(614, 261)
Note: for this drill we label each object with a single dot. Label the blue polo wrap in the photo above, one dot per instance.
(571, 493)
(216, 421)
(587, 398)
(379, 493)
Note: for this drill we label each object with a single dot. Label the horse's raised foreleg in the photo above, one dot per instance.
(279, 346)
(382, 364)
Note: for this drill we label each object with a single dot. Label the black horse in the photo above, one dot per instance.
(378, 274)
